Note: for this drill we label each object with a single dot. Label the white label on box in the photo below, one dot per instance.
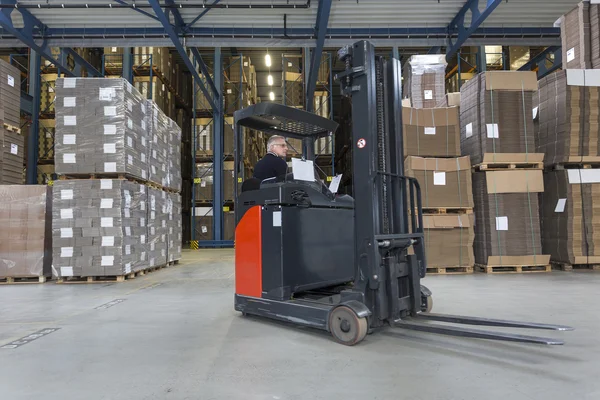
(570, 54)
(106, 184)
(107, 94)
(70, 102)
(501, 223)
(152, 202)
(66, 213)
(152, 214)
(66, 194)
(228, 91)
(142, 239)
(143, 125)
(428, 94)
(128, 231)
(128, 249)
(69, 158)
(70, 120)
(50, 89)
(144, 174)
(11, 80)
(108, 241)
(430, 130)
(128, 268)
(203, 183)
(106, 222)
(106, 203)
(204, 229)
(245, 63)
(469, 130)
(14, 148)
(577, 176)
(143, 141)
(560, 205)
(152, 245)
(152, 261)
(143, 205)
(439, 178)
(170, 230)
(70, 83)
(110, 167)
(110, 129)
(143, 157)
(110, 111)
(534, 112)
(107, 261)
(143, 108)
(153, 153)
(130, 104)
(127, 198)
(492, 131)
(129, 141)
(66, 232)
(129, 159)
(142, 222)
(66, 252)
(129, 123)
(127, 213)
(110, 148)
(66, 271)
(164, 223)
(163, 253)
(69, 139)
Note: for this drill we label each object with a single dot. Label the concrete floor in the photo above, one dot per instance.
(175, 335)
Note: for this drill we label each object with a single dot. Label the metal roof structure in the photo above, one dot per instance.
(288, 23)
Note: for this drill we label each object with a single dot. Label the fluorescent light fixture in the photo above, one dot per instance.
(268, 60)
(271, 96)
(270, 80)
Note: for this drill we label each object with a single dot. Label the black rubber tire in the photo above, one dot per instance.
(346, 327)
(429, 304)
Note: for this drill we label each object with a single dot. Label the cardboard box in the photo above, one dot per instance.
(425, 80)
(444, 182)
(575, 36)
(449, 240)
(450, 100)
(431, 132)
(570, 216)
(507, 222)
(495, 114)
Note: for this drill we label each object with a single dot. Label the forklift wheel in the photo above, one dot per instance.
(347, 327)
(427, 304)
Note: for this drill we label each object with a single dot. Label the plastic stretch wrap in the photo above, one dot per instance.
(425, 80)
(100, 127)
(157, 227)
(174, 235)
(159, 125)
(25, 237)
(99, 227)
(174, 180)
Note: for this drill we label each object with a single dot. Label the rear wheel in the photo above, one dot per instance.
(347, 327)
(426, 303)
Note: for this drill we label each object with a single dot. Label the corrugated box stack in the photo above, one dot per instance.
(568, 135)
(175, 226)
(26, 236)
(432, 156)
(425, 80)
(157, 226)
(580, 36)
(12, 155)
(497, 133)
(159, 144)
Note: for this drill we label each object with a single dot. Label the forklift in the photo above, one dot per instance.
(347, 265)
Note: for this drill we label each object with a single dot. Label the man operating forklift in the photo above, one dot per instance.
(273, 164)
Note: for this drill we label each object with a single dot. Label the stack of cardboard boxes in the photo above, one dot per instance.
(12, 142)
(433, 156)
(497, 134)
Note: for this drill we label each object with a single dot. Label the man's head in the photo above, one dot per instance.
(277, 145)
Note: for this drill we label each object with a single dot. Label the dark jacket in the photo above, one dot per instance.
(270, 166)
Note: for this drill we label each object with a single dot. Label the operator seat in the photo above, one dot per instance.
(251, 184)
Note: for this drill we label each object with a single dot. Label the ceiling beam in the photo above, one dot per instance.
(457, 25)
(188, 26)
(323, 11)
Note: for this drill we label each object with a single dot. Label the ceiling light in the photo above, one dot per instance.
(271, 96)
(268, 60)
(270, 80)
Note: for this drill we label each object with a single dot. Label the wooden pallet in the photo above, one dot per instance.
(110, 278)
(15, 280)
(449, 270)
(121, 176)
(512, 269)
(12, 128)
(495, 166)
(575, 165)
(575, 267)
(447, 210)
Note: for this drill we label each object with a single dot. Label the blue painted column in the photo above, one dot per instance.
(218, 149)
(128, 65)
(33, 143)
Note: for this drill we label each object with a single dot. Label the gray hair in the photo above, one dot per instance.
(272, 139)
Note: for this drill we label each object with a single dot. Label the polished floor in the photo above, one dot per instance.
(173, 334)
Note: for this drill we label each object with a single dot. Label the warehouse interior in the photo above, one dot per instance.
(438, 213)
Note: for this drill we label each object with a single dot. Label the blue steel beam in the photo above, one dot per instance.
(435, 50)
(457, 25)
(83, 62)
(323, 11)
(218, 172)
(147, 14)
(170, 30)
(25, 35)
(33, 144)
(541, 59)
(191, 24)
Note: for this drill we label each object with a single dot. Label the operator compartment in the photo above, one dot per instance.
(304, 232)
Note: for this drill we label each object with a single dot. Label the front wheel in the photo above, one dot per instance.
(346, 326)
(426, 303)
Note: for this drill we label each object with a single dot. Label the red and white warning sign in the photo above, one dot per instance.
(361, 143)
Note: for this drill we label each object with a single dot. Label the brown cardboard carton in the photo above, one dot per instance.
(444, 182)
(449, 240)
(575, 33)
(425, 80)
(431, 132)
(507, 223)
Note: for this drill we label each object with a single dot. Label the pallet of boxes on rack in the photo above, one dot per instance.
(432, 156)
(497, 132)
(568, 135)
(12, 141)
(111, 210)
